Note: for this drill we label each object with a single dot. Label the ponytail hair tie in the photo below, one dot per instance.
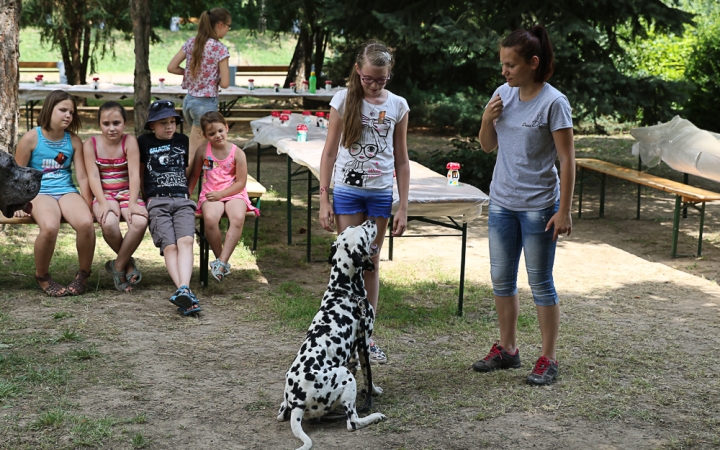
(208, 12)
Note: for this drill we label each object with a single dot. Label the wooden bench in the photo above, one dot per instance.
(261, 70)
(685, 195)
(255, 191)
(31, 66)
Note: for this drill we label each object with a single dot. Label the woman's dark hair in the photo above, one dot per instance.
(53, 99)
(206, 30)
(112, 105)
(534, 42)
(376, 54)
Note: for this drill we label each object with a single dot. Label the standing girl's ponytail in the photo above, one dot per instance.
(374, 53)
(535, 42)
(206, 30)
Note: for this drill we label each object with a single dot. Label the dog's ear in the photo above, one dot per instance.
(333, 250)
(357, 258)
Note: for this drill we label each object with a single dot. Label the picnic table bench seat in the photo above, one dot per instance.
(685, 195)
(255, 191)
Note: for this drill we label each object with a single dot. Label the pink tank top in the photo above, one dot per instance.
(113, 172)
(218, 175)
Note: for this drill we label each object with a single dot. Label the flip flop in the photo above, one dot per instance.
(134, 273)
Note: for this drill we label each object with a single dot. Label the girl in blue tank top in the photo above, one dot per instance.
(53, 147)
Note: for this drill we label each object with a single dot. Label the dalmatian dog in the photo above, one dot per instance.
(18, 185)
(319, 380)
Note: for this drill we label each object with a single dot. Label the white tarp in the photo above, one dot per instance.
(429, 194)
(681, 145)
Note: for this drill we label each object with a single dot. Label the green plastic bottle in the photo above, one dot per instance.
(313, 83)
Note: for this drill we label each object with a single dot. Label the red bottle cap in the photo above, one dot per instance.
(453, 166)
(320, 114)
(275, 113)
(328, 81)
(276, 84)
(251, 80)
(284, 117)
(162, 79)
(302, 127)
(292, 84)
(306, 113)
(287, 111)
(305, 82)
(95, 79)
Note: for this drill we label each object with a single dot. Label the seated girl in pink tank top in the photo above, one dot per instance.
(113, 165)
(223, 192)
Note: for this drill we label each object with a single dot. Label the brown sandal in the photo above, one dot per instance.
(79, 284)
(54, 289)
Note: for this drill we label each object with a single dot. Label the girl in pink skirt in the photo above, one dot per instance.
(224, 169)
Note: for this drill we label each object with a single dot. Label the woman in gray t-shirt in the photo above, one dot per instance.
(530, 123)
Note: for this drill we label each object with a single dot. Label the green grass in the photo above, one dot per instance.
(256, 50)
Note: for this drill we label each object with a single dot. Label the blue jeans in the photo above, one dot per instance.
(195, 107)
(511, 232)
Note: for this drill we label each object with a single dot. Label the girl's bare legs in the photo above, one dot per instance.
(196, 139)
(78, 215)
(131, 241)
(508, 310)
(111, 227)
(212, 213)
(179, 261)
(549, 318)
(235, 210)
(46, 213)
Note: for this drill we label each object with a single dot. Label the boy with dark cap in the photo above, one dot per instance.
(164, 158)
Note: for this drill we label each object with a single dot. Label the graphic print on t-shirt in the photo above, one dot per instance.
(373, 140)
(538, 122)
(166, 166)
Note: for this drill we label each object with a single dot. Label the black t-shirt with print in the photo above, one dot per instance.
(165, 161)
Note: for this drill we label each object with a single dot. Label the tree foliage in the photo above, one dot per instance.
(80, 28)
(449, 48)
(703, 71)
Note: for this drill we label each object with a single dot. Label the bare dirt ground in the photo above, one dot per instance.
(638, 345)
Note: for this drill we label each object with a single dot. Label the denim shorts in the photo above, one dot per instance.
(512, 232)
(373, 202)
(195, 107)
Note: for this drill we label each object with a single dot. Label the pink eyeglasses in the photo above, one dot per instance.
(370, 80)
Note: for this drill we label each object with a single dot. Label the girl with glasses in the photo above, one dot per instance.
(206, 70)
(366, 148)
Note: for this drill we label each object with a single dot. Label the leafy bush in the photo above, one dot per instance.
(703, 70)
(476, 166)
(460, 112)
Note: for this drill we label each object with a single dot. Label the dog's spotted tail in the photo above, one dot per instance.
(296, 424)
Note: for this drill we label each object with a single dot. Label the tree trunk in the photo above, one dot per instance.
(140, 14)
(300, 63)
(9, 29)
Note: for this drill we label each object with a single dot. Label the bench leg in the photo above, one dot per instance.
(257, 225)
(686, 180)
(289, 200)
(390, 243)
(309, 217)
(637, 214)
(462, 270)
(203, 254)
(258, 163)
(603, 177)
(676, 225)
(702, 223)
(580, 192)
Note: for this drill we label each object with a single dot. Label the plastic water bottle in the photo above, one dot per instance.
(302, 130)
(453, 174)
(313, 83)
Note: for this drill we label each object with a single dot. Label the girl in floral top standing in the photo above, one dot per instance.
(205, 71)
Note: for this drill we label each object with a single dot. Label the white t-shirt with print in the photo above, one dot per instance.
(370, 162)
